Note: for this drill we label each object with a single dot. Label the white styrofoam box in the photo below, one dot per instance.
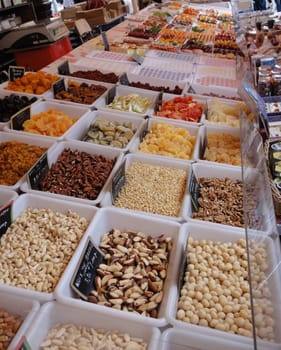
(193, 129)
(115, 66)
(25, 201)
(200, 99)
(105, 220)
(122, 90)
(177, 339)
(217, 233)
(171, 84)
(7, 195)
(43, 141)
(53, 154)
(110, 56)
(50, 94)
(171, 56)
(44, 106)
(26, 309)
(160, 161)
(219, 130)
(3, 87)
(167, 64)
(228, 102)
(78, 133)
(5, 93)
(216, 70)
(53, 313)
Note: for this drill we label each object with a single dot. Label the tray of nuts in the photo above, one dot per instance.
(213, 296)
(155, 186)
(117, 130)
(16, 315)
(217, 194)
(53, 329)
(79, 172)
(140, 291)
(33, 260)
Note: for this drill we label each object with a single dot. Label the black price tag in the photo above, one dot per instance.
(16, 72)
(124, 79)
(23, 344)
(63, 69)
(58, 86)
(37, 172)
(158, 102)
(105, 41)
(83, 280)
(194, 191)
(191, 90)
(203, 145)
(138, 58)
(110, 95)
(5, 217)
(182, 269)
(118, 181)
(20, 117)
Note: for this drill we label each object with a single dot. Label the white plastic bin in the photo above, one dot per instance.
(44, 106)
(53, 313)
(185, 210)
(7, 195)
(106, 220)
(25, 201)
(55, 152)
(25, 308)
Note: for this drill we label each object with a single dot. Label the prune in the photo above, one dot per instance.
(177, 90)
(9, 105)
(96, 75)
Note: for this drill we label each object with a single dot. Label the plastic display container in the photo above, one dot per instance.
(177, 339)
(159, 161)
(44, 106)
(125, 91)
(217, 233)
(25, 201)
(117, 66)
(44, 142)
(194, 130)
(55, 152)
(105, 220)
(50, 94)
(53, 313)
(25, 308)
(78, 133)
(7, 195)
(219, 131)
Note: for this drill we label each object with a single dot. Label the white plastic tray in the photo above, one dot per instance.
(122, 90)
(25, 201)
(43, 106)
(217, 233)
(5, 93)
(194, 130)
(77, 134)
(50, 94)
(57, 149)
(7, 195)
(104, 221)
(53, 313)
(177, 339)
(44, 142)
(25, 308)
(161, 161)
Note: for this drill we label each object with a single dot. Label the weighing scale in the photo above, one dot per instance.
(33, 35)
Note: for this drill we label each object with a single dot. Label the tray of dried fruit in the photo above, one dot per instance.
(225, 45)
(16, 316)
(79, 92)
(183, 108)
(11, 103)
(31, 83)
(171, 38)
(109, 129)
